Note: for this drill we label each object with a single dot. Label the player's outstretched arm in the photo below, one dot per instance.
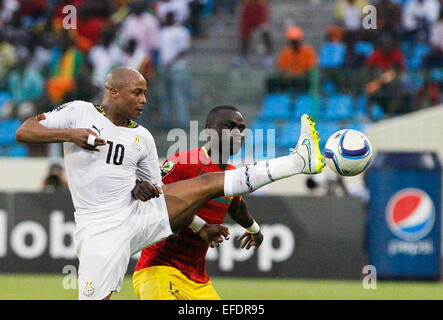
(252, 237)
(33, 132)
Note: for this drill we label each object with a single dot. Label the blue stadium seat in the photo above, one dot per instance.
(376, 110)
(305, 103)
(437, 75)
(325, 129)
(289, 135)
(415, 58)
(329, 87)
(338, 107)
(332, 55)
(7, 131)
(364, 47)
(17, 150)
(276, 106)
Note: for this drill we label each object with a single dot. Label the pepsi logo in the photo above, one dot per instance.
(410, 214)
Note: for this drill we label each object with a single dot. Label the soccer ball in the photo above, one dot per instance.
(348, 152)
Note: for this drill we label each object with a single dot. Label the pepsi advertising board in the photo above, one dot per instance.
(404, 226)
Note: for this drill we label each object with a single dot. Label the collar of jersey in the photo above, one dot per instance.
(99, 108)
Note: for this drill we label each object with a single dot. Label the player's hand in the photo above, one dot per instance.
(80, 138)
(251, 240)
(213, 234)
(144, 190)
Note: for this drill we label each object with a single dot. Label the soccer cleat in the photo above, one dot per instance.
(308, 147)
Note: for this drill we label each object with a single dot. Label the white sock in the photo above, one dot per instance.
(247, 179)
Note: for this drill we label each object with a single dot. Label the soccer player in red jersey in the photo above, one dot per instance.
(175, 268)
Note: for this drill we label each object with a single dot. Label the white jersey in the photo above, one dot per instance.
(101, 182)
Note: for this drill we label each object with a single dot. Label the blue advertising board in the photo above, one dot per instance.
(404, 222)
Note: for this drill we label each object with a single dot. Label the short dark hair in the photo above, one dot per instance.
(215, 112)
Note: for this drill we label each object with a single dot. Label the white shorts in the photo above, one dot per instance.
(104, 253)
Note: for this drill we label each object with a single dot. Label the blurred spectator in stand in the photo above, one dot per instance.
(386, 66)
(143, 27)
(34, 9)
(133, 56)
(254, 15)
(39, 50)
(65, 62)
(349, 14)
(195, 8)
(174, 74)
(89, 26)
(55, 180)
(16, 32)
(7, 9)
(104, 56)
(418, 18)
(428, 95)
(295, 63)
(26, 86)
(8, 58)
(180, 8)
(85, 89)
(435, 58)
(389, 18)
(335, 33)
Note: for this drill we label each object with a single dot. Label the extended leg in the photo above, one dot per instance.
(183, 198)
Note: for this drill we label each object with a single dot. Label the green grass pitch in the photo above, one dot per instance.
(49, 287)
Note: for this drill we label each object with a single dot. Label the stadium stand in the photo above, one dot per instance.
(35, 35)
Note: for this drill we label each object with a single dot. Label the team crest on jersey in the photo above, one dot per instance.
(167, 167)
(89, 289)
(137, 144)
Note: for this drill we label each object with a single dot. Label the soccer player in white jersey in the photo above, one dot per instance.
(105, 152)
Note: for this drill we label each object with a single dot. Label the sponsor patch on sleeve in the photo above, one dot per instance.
(167, 167)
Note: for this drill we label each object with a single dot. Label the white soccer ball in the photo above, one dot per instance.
(348, 152)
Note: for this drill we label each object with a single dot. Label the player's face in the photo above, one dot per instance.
(231, 127)
(133, 98)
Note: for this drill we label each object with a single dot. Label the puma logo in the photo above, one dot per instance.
(96, 129)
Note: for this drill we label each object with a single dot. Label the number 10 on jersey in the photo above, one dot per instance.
(118, 151)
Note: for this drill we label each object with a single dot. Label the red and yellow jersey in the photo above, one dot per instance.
(187, 251)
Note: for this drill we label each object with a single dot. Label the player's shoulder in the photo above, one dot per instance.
(74, 105)
(186, 157)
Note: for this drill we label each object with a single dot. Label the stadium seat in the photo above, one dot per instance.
(376, 110)
(415, 58)
(364, 48)
(17, 150)
(289, 135)
(260, 133)
(437, 75)
(329, 87)
(276, 106)
(305, 103)
(7, 131)
(325, 129)
(332, 55)
(338, 107)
